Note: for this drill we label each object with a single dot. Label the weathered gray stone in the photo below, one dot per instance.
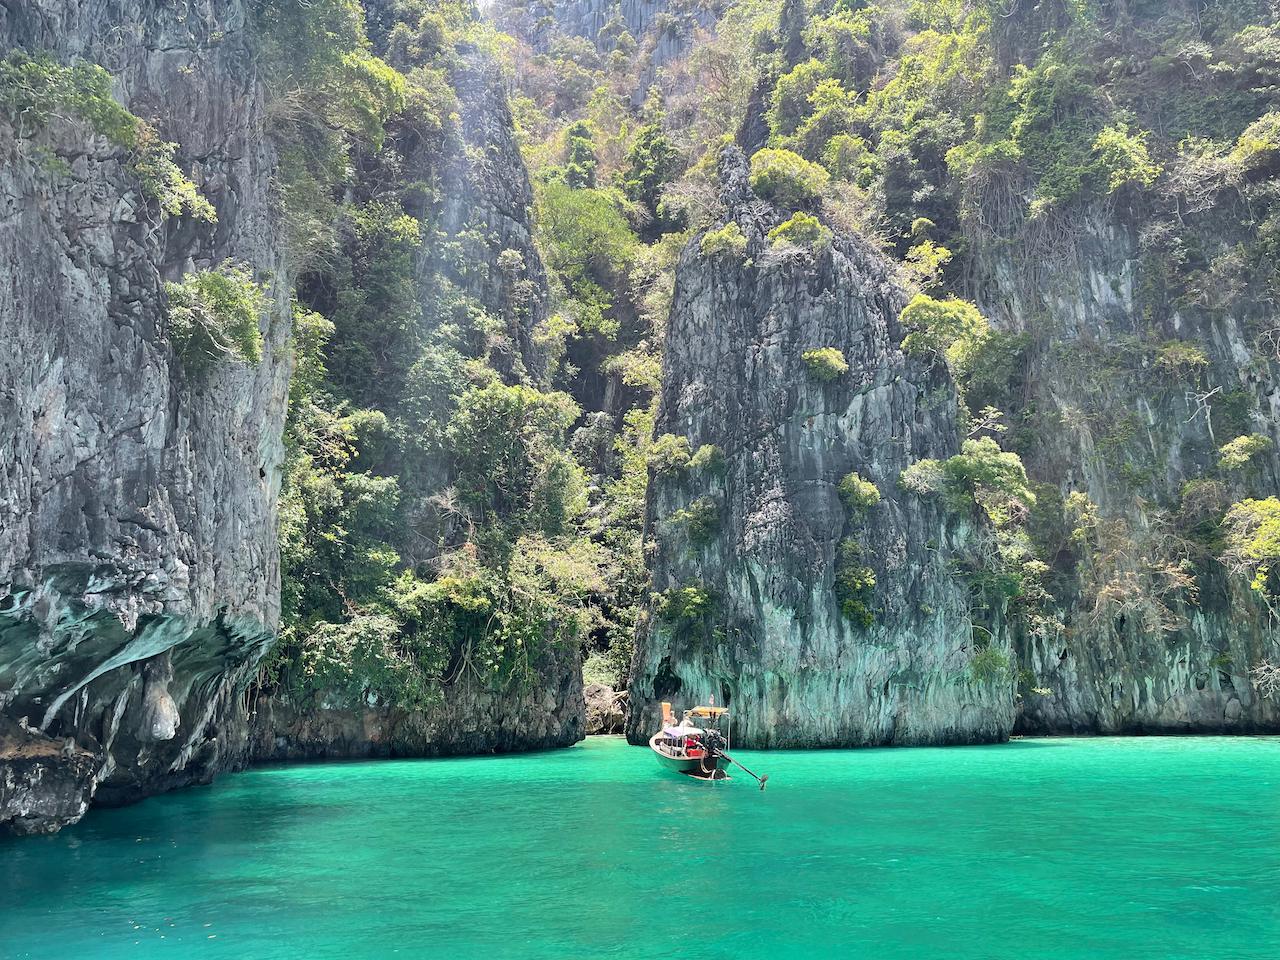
(139, 573)
(487, 208)
(777, 649)
(1074, 286)
(45, 784)
(470, 719)
(606, 709)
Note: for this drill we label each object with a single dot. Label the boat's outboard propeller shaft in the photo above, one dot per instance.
(714, 742)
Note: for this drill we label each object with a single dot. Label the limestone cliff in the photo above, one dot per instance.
(139, 573)
(768, 636)
(1157, 635)
(655, 33)
(139, 557)
(487, 206)
(1136, 336)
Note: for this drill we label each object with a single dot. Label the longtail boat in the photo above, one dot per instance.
(696, 745)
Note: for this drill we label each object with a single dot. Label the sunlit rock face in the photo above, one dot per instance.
(1157, 634)
(486, 210)
(139, 573)
(652, 33)
(774, 644)
(606, 709)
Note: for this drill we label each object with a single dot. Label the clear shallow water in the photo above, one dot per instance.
(1143, 848)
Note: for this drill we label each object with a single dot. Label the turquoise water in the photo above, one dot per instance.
(1147, 848)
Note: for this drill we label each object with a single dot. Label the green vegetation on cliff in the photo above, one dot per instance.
(952, 132)
(216, 315)
(1081, 198)
(35, 90)
(432, 511)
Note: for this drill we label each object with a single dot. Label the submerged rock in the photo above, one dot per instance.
(44, 784)
(748, 533)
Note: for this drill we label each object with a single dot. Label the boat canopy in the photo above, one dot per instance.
(708, 711)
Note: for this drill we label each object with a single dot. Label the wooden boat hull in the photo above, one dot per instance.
(695, 768)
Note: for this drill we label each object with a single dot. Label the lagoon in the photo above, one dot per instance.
(1111, 849)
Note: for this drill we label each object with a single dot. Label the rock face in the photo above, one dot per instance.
(469, 720)
(44, 783)
(1137, 653)
(606, 709)
(774, 645)
(663, 30)
(487, 204)
(139, 573)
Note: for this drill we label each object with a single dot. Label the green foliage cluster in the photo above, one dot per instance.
(651, 164)
(1239, 453)
(507, 574)
(216, 315)
(801, 230)
(1123, 158)
(700, 521)
(589, 243)
(163, 180)
(1181, 358)
(510, 466)
(685, 608)
(988, 665)
(612, 243)
(787, 178)
(1203, 504)
(858, 493)
(825, 363)
(985, 477)
(953, 329)
(708, 458)
(375, 303)
(727, 240)
(321, 69)
(927, 108)
(579, 170)
(981, 473)
(36, 89)
(855, 583)
(669, 453)
(1253, 538)
(1049, 122)
(621, 526)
